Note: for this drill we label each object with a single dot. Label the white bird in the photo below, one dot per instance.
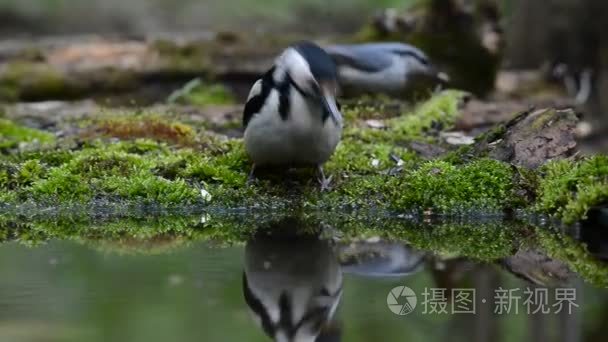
(392, 68)
(291, 117)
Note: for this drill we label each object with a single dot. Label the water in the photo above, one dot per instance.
(123, 289)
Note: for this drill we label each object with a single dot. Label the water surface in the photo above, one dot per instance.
(117, 290)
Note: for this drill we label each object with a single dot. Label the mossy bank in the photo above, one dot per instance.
(150, 158)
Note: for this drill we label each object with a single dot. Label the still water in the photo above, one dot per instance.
(298, 286)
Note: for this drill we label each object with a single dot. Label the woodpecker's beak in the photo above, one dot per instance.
(328, 101)
(443, 77)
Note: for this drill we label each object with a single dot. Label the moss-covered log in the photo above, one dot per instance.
(68, 70)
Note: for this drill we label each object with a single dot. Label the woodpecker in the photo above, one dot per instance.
(391, 68)
(291, 117)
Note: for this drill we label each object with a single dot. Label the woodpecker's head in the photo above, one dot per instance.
(418, 64)
(312, 72)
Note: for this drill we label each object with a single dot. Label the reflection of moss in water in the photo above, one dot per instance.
(148, 234)
(483, 241)
(575, 255)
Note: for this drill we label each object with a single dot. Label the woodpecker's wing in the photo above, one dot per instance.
(369, 60)
(257, 96)
(371, 57)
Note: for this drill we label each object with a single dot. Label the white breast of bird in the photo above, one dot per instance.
(302, 138)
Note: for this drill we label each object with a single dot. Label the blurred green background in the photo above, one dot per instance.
(141, 16)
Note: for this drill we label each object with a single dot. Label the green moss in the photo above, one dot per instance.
(94, 163)
(30, 172)
(202, 94)
(440, 112)
(7, 172)
(60, 185)
(370, 168)
(355, 156)
(147, 188)
(231, 173)
(12, 134)
(14, 176)
(163, 161)
(484, 184)
(568, 189)
(8, 197)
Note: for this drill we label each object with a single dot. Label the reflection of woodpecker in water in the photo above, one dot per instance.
(292, 282)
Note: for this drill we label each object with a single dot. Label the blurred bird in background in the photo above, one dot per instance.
(390, 68)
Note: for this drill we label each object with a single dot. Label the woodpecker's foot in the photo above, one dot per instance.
(324, 181)
(251, 177)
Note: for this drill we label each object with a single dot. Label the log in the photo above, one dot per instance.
(80, 67)
(532, 138)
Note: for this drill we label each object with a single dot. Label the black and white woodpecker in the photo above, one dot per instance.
(292, 284)
(291, 117)
(391, 68)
